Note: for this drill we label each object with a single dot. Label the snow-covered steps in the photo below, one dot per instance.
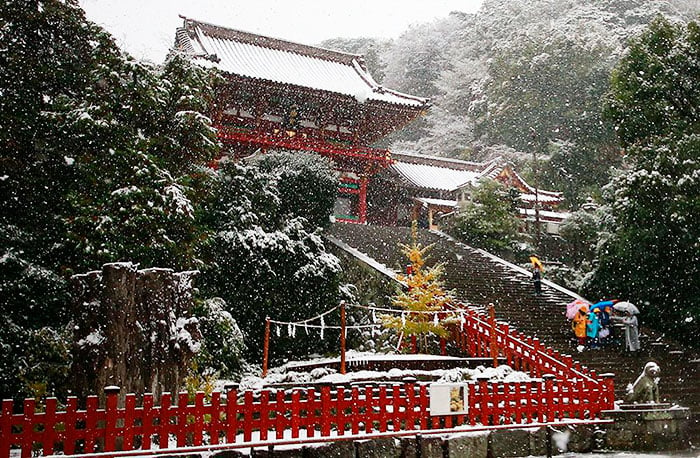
(478, 277)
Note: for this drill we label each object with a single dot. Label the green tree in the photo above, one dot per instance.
(263, 263)
(137, 140)
(98, 162)
(307, 184)
(655, 87)
(650, 250)
(581, 231)
(544, 93)
(489, 220)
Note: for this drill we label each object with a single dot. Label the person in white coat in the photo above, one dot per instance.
(631, 332)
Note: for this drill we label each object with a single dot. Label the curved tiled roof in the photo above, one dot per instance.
(270, 59)
(447, 174)
(433, 177)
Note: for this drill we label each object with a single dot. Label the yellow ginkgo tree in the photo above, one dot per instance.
(425, 294)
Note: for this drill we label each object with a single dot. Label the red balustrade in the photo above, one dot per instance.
(561, 389)
(240, 417)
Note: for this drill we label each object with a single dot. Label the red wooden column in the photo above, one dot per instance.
(266, 346)
(494, 335)
(342, 337)
(362, 203)
(608, 386)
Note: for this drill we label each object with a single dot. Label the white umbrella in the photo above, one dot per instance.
(626, 307)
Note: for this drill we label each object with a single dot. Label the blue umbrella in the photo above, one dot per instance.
(601, 305)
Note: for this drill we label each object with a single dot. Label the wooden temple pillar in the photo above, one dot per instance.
(362, 200)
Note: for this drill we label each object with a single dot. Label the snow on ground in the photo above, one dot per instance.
(287, 374)
(688, 454)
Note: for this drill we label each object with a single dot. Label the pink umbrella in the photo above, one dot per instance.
(572, 308)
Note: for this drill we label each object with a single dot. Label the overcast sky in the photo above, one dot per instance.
(146, 28)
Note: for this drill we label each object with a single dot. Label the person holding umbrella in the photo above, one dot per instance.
(603, 309)
(629, 319)
(605, 334)
(537, 269)
(593, 328)
(579, 324)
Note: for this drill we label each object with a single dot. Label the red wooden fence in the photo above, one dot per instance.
(476, 334)
(235, 417)
(560, 389)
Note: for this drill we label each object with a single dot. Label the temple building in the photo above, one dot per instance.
(289, 96)
(284, 95)
(425, 188)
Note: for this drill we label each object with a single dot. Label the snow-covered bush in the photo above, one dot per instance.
(264, 263)
(307, 184)
(222, 344)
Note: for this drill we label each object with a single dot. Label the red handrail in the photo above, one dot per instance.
(561, 389)
(244, 417)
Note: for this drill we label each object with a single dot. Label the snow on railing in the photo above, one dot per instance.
(235, 417)
(521, 352)
(560, 390)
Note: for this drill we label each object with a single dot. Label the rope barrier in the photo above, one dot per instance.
(399, 311)
(318, 326)
(303, 322)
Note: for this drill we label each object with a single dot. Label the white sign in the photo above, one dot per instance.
(448, 398)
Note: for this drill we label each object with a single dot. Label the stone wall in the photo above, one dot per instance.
(648, 429)
(501, 443)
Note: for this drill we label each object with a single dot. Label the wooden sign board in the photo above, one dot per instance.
(448, 398)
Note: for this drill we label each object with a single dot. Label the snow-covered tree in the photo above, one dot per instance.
(98, 162)
(650, 250)
(654, 88)
(307, 184)
(544, 94)
(489, 219)
(263, 263)
(370, 48)
(222, 346)
(517, 66)
(424, 294)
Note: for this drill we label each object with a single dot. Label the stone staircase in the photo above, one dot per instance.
(478, 278)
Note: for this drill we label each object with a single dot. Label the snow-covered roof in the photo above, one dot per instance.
(545, 214)
(543, 197)
(446, 174)
(280, 61)
(433, 177)
(437, 202)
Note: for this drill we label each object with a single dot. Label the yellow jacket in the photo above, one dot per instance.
(579, 324)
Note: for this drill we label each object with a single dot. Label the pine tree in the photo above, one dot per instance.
(489, 220)
(425, 294)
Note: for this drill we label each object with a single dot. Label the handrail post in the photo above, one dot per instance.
(609, 387)
(536, 357)
(549, 393)
(494, 336)
(111, 414)
(342, 337)
(266, 347)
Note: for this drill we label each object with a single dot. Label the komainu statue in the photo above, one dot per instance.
(646, 389)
